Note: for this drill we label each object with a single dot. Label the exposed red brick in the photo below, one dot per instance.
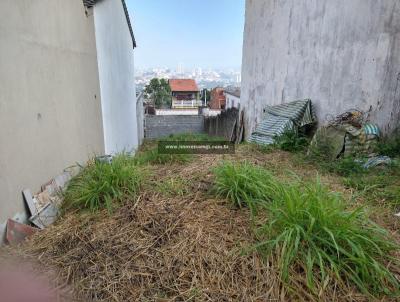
(218, 98)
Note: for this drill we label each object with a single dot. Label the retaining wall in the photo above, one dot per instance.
(158, 126)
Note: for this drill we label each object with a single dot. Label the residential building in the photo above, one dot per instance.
(340, 54)
(185, 93)
(217, 98)
(66, 90)
(232, 98)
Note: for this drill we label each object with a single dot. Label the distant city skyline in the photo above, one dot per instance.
(205, 78)
(189, 34)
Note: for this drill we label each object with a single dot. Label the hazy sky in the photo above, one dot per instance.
(198, 33)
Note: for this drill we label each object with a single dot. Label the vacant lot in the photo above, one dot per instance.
(259, 225)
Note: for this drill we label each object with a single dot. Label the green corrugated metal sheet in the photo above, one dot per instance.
(283, 117)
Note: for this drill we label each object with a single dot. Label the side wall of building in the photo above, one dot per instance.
(232, 101)
(117, 78)
(50, 111)
(342, 54)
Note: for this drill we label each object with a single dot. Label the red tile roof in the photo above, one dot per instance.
(183, 85)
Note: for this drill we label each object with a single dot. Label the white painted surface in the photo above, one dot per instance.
(232, 101)
(116, 74)
(50, 111)
(211, 112)
(341, 54)
(177, 111)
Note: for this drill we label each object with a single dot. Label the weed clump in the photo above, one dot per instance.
(390, 146)
(102, 184)
(244, 184)
(378, 185)
(291, 141)
(346, 166)
(309, 230)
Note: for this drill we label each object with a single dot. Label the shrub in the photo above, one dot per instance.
(101, 184)
(311, 230)
(291, 141)
(244, 184)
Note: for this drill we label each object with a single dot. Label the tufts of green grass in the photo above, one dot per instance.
(346, 166)
(244, 184)
(311, 230)
(379, 185)
(103, 185)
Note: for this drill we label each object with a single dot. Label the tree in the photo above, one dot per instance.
(159, 92)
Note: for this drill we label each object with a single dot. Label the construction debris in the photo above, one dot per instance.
(46, 216)
(17, 232)
(30, 202)
(376, 161)
(44, 206)
(280, 118)
(348, 134)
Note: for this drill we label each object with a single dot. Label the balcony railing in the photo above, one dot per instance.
(186, 104)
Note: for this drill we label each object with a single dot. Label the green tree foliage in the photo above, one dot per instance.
(159, 92)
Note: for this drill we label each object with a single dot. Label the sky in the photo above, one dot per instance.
(197, 33)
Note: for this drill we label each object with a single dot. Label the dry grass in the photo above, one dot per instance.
(177, 248)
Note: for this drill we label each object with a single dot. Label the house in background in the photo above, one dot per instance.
(185, 94)
(217, 98)
(66, 90)
(232, 97)
(340, 54)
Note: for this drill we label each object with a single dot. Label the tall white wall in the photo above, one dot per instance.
(116, 73)
(50, 111)
(342, 54)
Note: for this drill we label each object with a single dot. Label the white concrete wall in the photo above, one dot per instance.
(116, 73)
(232, 101)
(342, 54)
(50, 111)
